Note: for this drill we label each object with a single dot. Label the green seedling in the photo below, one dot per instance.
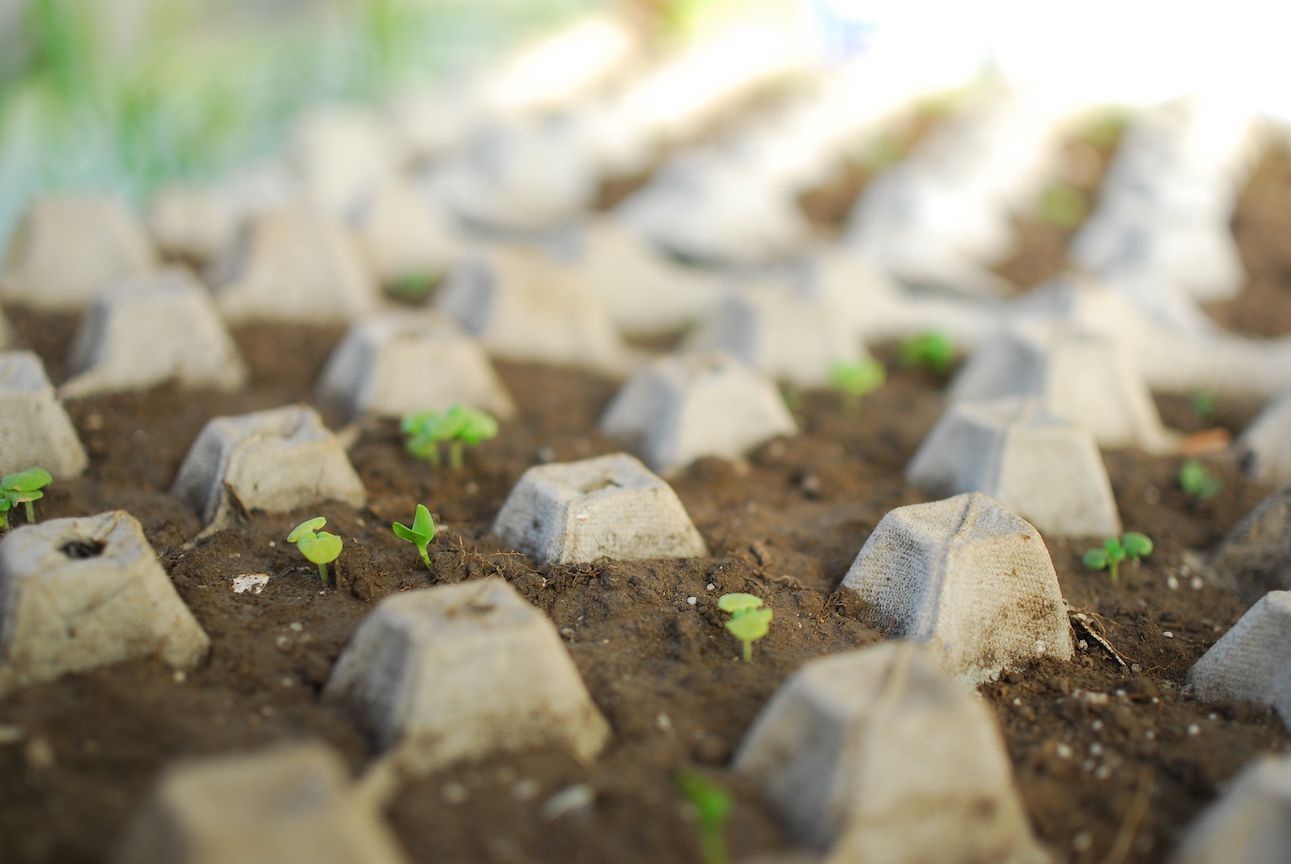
(420, 534)
(713, 805)
(749, 620)
(1062, 205)
(1131, 545)
(463, 426)
(416, 287)
(854, 380)
(320, 547)
(1203, 404)
(459, 426)
(932, 350)
(22, 487)
(1197, 481)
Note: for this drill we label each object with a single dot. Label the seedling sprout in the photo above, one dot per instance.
(1196, 479)
(854, 380)
(458, 426)
(319, 547)
(420, 534)
(22, 487)
(749, 620)
(712, 805)
(932, 350)
(1131, 545)
(1203, 404)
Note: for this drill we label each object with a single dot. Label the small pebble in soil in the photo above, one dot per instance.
(526, 789)
(39, 754)
(568, 800)
(179, 677)
(567, 632)
(1194, 729)
(1082, 841)
(1095, 749)
(692, 600)
(1172, 583)
(296, 626)
(709, 587)
(663, 721)
(454, 793)
(1096, 726)
(545, 455)
(1195, 583)
(1063, 751)
(1167, 634)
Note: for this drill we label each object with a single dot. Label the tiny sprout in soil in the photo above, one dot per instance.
(458, 426)
(1203, 404)
(933, 351)
(22, 487)
(712, 805)
(1062, 205)
(420, 534)
(749, 620)
(1132, 545)
(1196, 479)
(854, 380)
(320, 547)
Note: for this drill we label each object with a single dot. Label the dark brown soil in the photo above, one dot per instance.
(1112, 759)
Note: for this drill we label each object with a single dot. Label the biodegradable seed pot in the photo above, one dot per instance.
(780, 333)
(1045, 469)
(145, 332)
(289, 804)
(464, 671)
(1255, 556)
(403, 237)
(109, 243)
(192, 222)
(76, 594)
(34, 427)
(1079, 376)
(1249, 663)
(290, 264)
(277, 460)
(398, 363)
(1248, 824)
(679, 409)
(523, 304)
(338, 156)
(969, 579)
(1265, 446)
(607, 507)
(877, 755)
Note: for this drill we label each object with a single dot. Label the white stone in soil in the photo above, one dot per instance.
(291, 265)
(193, 222)
(402, 236)
(1252, 661)
(340, 156)
(1248, 824)
(645, 292)
(150, 330)
(684, 407)
(76, 594)
(400, 362)
(522, 304)
(1078, 375)
(277, 460)
(290, 804)
(66, 249)
(606, 507)
(34, 427)
(1045, 469)
(780, 333)
(465, 671)
(876, 755)
(1255, 556)
(969, 579)
(1265, 445)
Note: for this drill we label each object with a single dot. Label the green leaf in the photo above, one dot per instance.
(403, 532)
(306, 528)
(932, 350)
(750, 625)
(1096, 559)
(857, 379)
(736, 602)
(1136, 545)
(423, 523)
(1115, 551)
(320, 548)
(26, 481)
(712, 803)
(478, 427)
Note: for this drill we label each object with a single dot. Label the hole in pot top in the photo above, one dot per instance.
(79, 549)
